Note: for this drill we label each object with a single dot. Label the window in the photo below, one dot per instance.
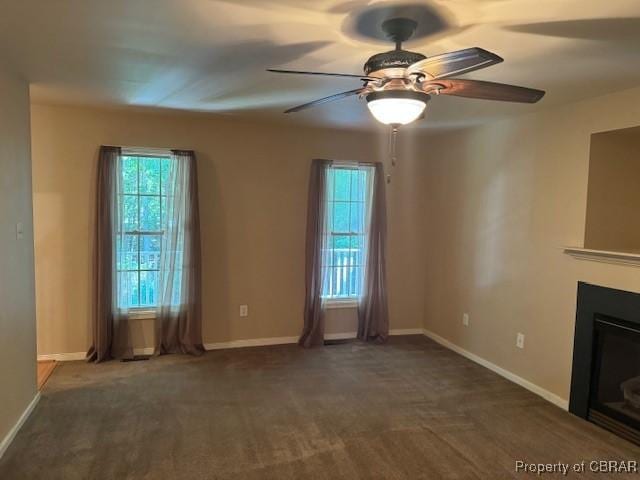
(346, 231)
(142, 195)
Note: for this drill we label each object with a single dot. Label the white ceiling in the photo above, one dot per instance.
(211, 55)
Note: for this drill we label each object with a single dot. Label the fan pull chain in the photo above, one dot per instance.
(393, 140)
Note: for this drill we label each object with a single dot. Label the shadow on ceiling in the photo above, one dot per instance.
(210, 75)
(612, 30)
(364, 21)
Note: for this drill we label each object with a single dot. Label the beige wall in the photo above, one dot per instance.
(253, 187)
(17, 307)
(503, 200)
(487, 210)
(613, 196)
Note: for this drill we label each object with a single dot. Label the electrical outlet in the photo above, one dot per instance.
(465, 319)
(520, 340)
(244, 310)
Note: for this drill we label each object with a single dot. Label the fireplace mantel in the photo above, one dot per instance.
(623, 258)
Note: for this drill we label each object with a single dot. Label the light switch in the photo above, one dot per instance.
(244, 310)
(19, 231)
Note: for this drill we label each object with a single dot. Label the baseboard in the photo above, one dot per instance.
(144, 351)
(340, 336)
(8, 438)
(251, 342)
(261, 342)
(63, 357)
(532, 387)
(406, 331)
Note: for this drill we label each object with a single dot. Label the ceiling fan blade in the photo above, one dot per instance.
(488, 90)
(455, 63)
(325, 74)
(330, 98)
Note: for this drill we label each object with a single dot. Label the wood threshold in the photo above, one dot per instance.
(45, 369)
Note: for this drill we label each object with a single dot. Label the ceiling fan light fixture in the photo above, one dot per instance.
(397, 107)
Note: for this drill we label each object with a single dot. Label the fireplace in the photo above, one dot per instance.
(605, 380)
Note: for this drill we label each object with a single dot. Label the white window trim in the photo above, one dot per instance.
(145, 152)
(144, 313)
(348, 302)
(141, 314)
(335, 303)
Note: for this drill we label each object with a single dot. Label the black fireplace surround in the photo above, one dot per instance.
(605, 378)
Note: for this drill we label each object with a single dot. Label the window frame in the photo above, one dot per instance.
(334, 302)
(146, 311)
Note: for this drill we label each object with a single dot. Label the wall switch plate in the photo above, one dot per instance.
(19, 231)
(520, 340)
(244, 310)
(465, 319)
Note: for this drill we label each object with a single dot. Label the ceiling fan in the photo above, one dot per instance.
(398, 83)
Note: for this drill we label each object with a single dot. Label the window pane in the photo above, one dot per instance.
(355, 281)
(326, 291)
(357, 248)
(346, 208)
(357, 217)
(176, 293)
(127, 252)
(127, 289)
(329, 185)
(148, 289)
(129, 175)
(341, 217)
(329, 214)
(165, 164)
(341, 256)
(150, 214)
(150, 175)
(340, 241)
(342, 184)
(150, 251)
(358, 185)
(130, 212)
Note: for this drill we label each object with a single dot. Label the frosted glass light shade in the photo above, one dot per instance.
(399, 111)
(397, 107)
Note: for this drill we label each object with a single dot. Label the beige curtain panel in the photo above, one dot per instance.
(313, 330)
(111, 338)
(179, 311)
(373, 310)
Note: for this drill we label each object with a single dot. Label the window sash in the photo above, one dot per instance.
(343, 267)
(140, 233)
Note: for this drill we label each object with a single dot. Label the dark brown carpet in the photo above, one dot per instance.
(406, 410)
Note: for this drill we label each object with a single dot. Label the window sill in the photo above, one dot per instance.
(142, 314)
(341, 303)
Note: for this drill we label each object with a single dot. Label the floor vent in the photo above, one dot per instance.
(137, 358)
(341, 341)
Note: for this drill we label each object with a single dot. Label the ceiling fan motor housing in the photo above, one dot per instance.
(391, 59)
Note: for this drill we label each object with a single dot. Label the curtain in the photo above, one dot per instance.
(178, 315)
(313, 331)
(373, 311)
(111, 338)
